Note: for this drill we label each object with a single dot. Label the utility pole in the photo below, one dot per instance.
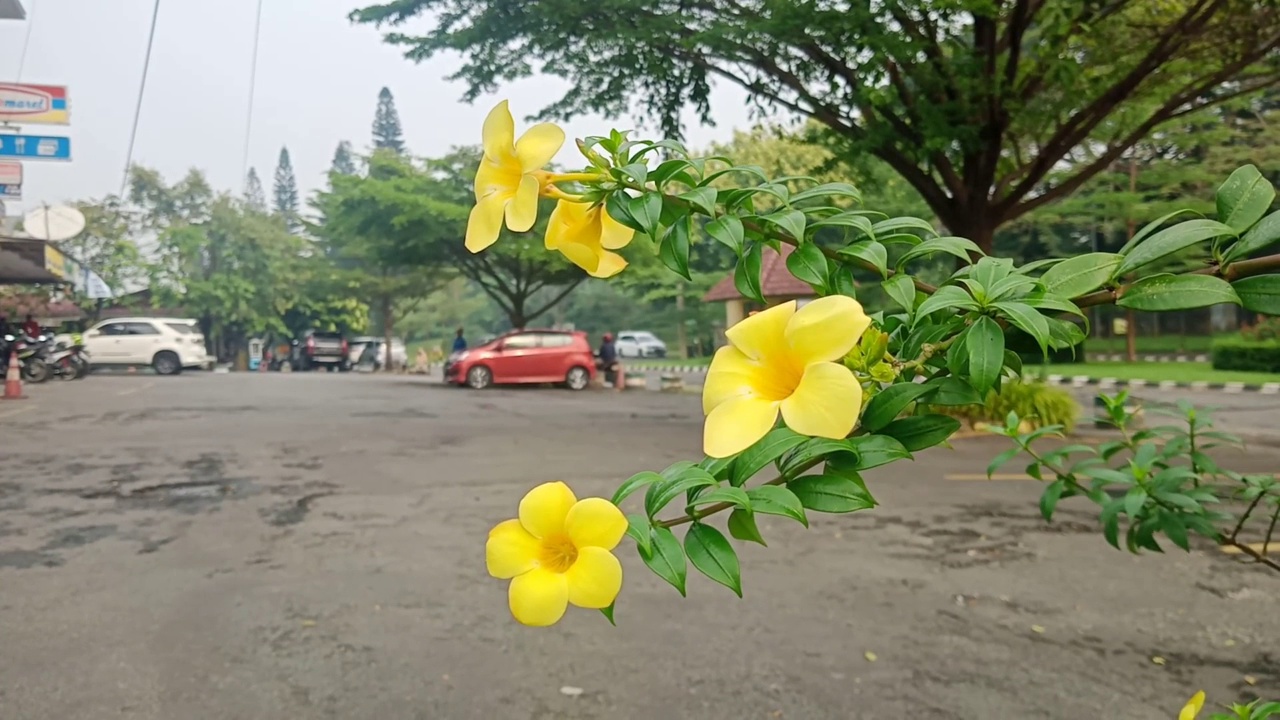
(681, 340)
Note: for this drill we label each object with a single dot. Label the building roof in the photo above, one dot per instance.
(776, 282)
(19, 306)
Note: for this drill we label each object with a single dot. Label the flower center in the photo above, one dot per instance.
(558, 553)
(778, 381)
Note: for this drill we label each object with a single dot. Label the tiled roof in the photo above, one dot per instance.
(775, 280)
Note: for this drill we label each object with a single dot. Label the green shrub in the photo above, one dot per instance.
(1030, 354)
(1241, 354)
(1036, 403)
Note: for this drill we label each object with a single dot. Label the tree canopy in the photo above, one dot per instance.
(386, 124)
(988, 109)
(286, 191)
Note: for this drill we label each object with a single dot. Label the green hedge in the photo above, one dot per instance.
(1036, 403)
(1241, 354)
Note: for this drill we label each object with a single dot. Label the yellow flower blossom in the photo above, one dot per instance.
(1193, 707)
(557, 552)
(510, 176)
(586, 234)
(784, 360)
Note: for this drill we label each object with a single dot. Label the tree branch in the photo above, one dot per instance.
(559, 296)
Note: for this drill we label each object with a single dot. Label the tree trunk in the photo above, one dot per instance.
(388, 324)
(1131, 332)
(682, 342)
(978, 226)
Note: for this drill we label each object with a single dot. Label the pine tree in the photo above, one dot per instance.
(286, 191)
(343, 162)
(386, 123)
(254, 197)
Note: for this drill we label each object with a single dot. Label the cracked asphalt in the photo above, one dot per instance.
(311, 546)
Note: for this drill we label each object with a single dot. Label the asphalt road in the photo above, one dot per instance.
(311, 546)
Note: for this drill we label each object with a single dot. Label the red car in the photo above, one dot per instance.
(525, 356)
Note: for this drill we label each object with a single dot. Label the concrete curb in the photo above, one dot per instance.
(681, 369)
(1106, 383)
(1146, 357)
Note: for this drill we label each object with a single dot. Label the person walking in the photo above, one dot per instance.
(459, 342)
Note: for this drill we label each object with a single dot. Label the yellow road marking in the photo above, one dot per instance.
(131, 391)
(1256, 547)
(18, 410)
(971, 477)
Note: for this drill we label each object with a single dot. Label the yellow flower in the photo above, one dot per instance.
(784, 360)
(1192, 708)
(557, 553)
(510, 177)
(586, 234)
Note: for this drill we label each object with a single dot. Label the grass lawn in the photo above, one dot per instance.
(664, 362)
(1155, 372)
(1162, 344)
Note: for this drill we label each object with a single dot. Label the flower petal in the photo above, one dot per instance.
(826, 329)
(538, 597)
(764, 334)
(538, 145)
(613, 234)
(499, 133)
(736, 424)
(826, 402)
(485, 222)
(582, 255)
(595, 522)
(522, 211)
(544, 508)
(493, 177)
(595, 578)
(730, 375)
(510, 550)
(1193, 707)
(611, 264)
(565, 224)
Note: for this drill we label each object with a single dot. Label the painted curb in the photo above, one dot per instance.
(1105, 383)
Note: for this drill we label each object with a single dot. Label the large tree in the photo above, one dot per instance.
(344, 162)
(107, 248)
(386, 124)
(285, 193)
(988, 108)
(254, 196)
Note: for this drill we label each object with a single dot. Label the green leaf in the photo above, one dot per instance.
(842, 282)
(871, 451)
(1265, 233)
(746, 274)
(984, 341)
(989, 271)
(633, 483)
(702, 198)
(1027, 319)
(718, 467)
(832, 493)
(1153, 226)
(608, 614)
(673, 251)
(902, 290)
(1045, 302)
(793, 221)
(742, 525)
(808, 263)
(727, 231)
(1001, 459)
(733, 495)
(921, 431)
(647, 211)
(1082, 274)
(659, 494)
(856, 219)
(958, 246)
(1260, 293)
(1244, 198)
(890, 402)
(711, 553)
(870, 252)
(618, 205)
(668, 169)
(895, 225)
(952, 392)
(947, 296)
(760, 455)
(1133, 502)
(777, 500)
(636, 171)
(1170, 241)
(1049, 498)
(667, 559)
(641, 530)
(1177, 292)
(836, 189)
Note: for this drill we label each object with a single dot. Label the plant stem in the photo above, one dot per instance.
(718, 507)
(1243, 518)
(1266, 542)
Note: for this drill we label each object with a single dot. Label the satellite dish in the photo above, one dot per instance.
(53, 224)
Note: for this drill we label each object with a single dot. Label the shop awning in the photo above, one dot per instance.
(23, 262)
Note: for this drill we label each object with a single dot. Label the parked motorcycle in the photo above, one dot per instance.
(31, 354)
(69, 363)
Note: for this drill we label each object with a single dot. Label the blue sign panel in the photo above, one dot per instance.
(11, 191)
(35, 147)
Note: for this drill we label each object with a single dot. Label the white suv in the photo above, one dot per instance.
(639, 344)
(167, 344)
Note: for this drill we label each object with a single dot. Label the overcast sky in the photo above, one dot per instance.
(317, 83)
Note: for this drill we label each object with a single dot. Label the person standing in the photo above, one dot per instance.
(459, 342)
(31, 328)
(609, 361)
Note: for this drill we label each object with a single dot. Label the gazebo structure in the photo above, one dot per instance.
(776, 284)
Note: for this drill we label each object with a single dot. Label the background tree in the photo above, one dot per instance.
(254, 196)
(386, 124)
(344, 162)
(286, 192)
(107, 248)
(986, 108)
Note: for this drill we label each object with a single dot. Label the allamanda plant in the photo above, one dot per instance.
(803, 400)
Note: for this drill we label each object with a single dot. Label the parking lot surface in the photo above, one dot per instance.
(311, 546)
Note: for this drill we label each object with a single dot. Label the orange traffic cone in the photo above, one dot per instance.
(13, 379)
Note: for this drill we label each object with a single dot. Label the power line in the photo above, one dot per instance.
(253, 81)
(26, 42)
(142, 88)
